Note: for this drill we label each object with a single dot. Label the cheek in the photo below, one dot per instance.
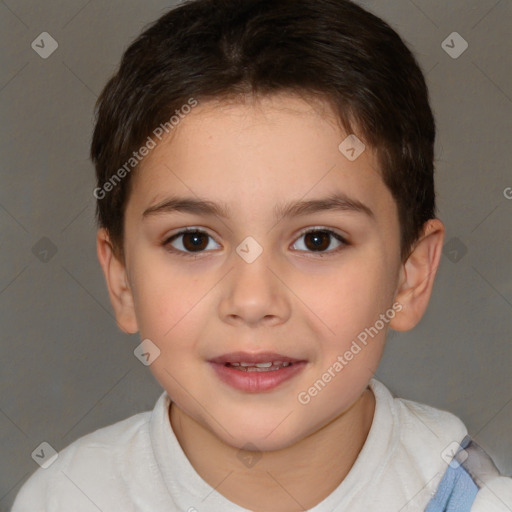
(351, 299)
(169, 311)
(164, 296)
(171, 307)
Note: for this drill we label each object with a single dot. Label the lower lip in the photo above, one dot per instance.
(256, 382)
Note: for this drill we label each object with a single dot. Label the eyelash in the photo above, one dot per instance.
(321, 254)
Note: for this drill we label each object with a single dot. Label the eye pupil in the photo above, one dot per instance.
(317, 237)
(193, 241)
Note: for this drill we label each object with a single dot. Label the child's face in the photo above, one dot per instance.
(290, 300)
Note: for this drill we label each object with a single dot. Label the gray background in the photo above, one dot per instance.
(67, 370)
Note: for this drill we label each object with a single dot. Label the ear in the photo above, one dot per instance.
(417, 276)
(117, 284)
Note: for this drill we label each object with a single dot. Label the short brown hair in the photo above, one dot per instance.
(329, 49)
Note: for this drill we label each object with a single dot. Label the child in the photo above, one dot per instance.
(236, 137)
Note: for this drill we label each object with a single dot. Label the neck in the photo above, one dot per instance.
(295, 478)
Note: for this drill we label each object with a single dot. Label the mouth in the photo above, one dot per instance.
(256, 372)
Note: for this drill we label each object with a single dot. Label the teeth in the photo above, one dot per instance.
(257, 369)
(261, 367)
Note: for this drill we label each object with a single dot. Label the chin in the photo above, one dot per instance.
(271, 435)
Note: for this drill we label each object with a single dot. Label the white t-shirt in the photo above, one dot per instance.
(137, 465)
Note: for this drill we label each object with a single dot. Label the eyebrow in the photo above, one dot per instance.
(334, 202)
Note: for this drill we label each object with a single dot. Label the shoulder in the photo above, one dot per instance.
(421, 442)
(426, 444)
(92, 461)
(421, 429)
(494, 490)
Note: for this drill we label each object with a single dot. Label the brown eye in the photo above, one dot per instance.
(189, 241)
(320, 240)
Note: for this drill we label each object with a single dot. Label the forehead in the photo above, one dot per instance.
(254, 153)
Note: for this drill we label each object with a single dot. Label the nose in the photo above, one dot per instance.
(254, 294)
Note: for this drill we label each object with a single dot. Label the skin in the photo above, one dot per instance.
(292, 299)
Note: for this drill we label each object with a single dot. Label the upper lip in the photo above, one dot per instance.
(245, 357)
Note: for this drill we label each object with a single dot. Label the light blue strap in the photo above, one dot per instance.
(456, 492)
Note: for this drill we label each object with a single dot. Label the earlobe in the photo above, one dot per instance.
(417, 276)
(117, 283)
